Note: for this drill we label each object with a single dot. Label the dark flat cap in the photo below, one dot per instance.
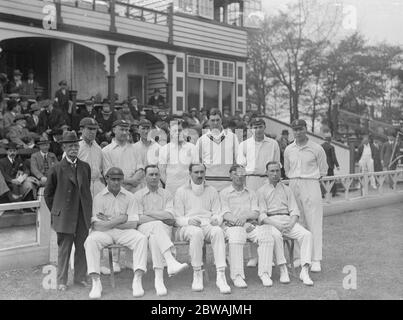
(122, 123)
(63, 82)
(115, 172)
(88, 122)
(11, 145)
(298, 123)
(257, 122)
(43, 140)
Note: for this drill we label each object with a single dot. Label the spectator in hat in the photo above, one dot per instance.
(16, 85)
(331, 158)
(157, 99)
(68, 197)
(55, 136)
(24, 104)
(124, 112)
(88, 111)
(42, 161)
(18, 133)
(152, 115)
(105, 120)
(194, 120)
(32, 118)
(16, 174)
(226, 117)
(31, 84)
(50, 118)
(13, 109)
(134, 107)
(163, 121)
(62, 99)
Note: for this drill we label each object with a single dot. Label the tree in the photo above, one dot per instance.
(289, 44)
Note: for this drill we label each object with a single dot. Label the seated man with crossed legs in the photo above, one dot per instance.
(114, 220)
(240, 209)
(279, 209)
(156, 217)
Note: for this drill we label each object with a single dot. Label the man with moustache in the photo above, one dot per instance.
(68, 197)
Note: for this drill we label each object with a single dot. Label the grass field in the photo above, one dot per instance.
(371, 241)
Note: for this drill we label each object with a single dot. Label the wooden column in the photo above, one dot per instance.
(112, 27)
(169, 98)
(241, 11)
(170, 21)
(111, 76)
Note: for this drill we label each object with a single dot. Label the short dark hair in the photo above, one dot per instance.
(150, 166)
(215, 112)
(272, 162)
(196, 164)
(234, 167)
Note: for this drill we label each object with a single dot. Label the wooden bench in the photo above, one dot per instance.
(289, 243)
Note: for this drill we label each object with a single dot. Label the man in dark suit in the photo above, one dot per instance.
(33, 118)
(42, 161)
(68, 197)
(16, 85)
(331, 158)
(31, 85)
(16, 175)
(157, 99)
(386, 153)
(50, 118)
(62, 99)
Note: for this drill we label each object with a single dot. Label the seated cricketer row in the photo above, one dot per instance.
(199, 216)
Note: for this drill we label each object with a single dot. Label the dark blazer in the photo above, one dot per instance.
(37, 163)
(64, 193)
(31, 125)
(330, 155)
(9, 170)
(62, 100)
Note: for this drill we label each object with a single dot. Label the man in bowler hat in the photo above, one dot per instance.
(68, 197)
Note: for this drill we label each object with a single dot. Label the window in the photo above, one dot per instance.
(228, 69)
(210, 94)
(206, 8)
(240, 105)
(240, 90)
(194, 65)
(179, 84)
(227, 94)
(179, 64)
(193, 88)
(240, 73)
(211, 67)
(179, 103)
(187, 6)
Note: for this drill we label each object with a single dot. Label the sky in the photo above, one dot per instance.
(378, 20)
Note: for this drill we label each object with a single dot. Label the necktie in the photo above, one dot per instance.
(45, 164)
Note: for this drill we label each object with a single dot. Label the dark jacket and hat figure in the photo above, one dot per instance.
(68, 197)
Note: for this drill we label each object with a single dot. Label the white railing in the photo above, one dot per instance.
(353, 186)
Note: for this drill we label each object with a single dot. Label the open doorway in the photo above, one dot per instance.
(137, 87)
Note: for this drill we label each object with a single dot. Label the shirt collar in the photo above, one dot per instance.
(11, 160)
(147, 190)
(44, 154)
(232, 189)
(71, 162)
(122, 191)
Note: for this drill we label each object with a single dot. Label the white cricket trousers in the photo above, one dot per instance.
(196, 236)
(159, 240)
(367, 166)
(299, 233)
(237, 236)
(309, 199)
(132, 239)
